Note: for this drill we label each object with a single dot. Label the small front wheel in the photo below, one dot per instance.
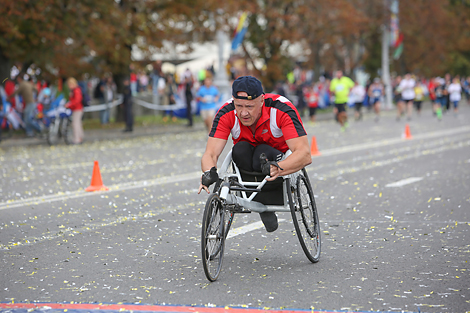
(305, 216)
(213, 237)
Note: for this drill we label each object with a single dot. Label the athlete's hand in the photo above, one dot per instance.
(270, 168)
(274, 173)
(208, 178)
(201, 186)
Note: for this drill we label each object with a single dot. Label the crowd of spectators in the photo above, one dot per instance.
(24, 100)
(409, 92)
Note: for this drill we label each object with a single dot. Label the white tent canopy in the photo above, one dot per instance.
(202, 56)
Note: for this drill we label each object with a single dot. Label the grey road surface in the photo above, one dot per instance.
(394, 214)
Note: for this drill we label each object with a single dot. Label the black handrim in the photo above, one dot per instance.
(212, 238)
(305, 218)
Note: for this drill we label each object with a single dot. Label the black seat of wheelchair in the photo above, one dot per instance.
(272, 192)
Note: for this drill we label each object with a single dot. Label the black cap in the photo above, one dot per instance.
(248, 84)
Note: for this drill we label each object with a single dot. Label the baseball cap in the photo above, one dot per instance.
(248, 84)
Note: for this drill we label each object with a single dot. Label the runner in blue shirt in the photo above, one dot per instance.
(207, 97)
(375, 94)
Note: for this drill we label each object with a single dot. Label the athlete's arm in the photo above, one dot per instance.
(299, 158)
(214, 148)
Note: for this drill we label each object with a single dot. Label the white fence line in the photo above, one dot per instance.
(178, 105)
(103, 106)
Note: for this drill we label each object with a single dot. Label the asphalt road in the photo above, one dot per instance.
(394, 214)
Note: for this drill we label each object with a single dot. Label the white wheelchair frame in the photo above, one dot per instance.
(230, 196)
(247, 202)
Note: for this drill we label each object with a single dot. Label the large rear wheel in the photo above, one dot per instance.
(305, 216)
(213, 237)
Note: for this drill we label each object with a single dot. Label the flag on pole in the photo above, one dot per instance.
(398, 47)
(394, 22)
(239, 32)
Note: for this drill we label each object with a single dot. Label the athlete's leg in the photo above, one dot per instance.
(409, 108)
(439, 108)
(269, 219)
(400, 105)
(377, 108)
(271, 153)
(242, 155)
(456, 106)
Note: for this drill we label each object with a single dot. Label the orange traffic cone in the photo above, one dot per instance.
(407, 132)
(313, 148)
(96, 182)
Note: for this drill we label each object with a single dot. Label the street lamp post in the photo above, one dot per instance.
(221, 79)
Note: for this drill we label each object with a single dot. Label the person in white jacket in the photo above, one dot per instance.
(455, 93)
(358, 93)
(407, 88)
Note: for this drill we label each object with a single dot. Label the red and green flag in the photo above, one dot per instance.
(398, 47)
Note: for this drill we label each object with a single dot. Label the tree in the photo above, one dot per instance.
(69, 38)
(438, 41)
(72, 37)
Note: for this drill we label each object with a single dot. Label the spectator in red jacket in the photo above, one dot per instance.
(75, 104)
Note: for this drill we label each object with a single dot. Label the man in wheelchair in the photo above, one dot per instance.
(259, 123)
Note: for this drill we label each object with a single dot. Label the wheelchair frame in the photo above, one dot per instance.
(230, 196)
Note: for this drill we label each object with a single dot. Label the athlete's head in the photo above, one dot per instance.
(339, 73)
(248, 98)
(208, 81)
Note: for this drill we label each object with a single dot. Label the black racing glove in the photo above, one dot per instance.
(266, 165)
(209, 177)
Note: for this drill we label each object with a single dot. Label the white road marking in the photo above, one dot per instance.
(392, 141)
(404, 182)
(81, 193)
(247, 228)
(195, 175)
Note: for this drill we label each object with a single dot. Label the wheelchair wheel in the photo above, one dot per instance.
(305, 216)
(212, 237)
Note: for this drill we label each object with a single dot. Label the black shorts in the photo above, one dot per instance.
(312, 111)
(341, 107)
(358, 106)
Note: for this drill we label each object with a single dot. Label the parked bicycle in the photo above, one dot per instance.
(58, 121)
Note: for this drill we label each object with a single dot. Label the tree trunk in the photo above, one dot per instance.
(5, 67)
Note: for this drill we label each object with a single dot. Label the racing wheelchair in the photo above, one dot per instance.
(238, 191)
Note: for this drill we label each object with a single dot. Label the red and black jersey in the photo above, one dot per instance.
(279, 122)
